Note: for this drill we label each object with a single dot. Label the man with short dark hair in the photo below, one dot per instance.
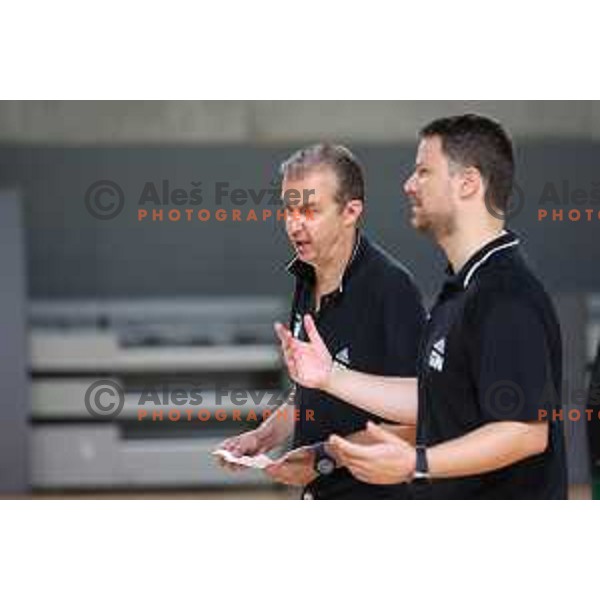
(369, 312)
(490, 360)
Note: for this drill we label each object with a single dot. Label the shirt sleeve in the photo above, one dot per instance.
(404, 319)
(512, 362)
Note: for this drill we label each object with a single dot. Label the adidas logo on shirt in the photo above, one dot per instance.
(343, 357)
(440, 346)
(436, 358)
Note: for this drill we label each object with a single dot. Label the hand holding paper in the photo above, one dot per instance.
(259, 461)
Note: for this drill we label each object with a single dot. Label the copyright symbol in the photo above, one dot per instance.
(104, 199)
(104, 399)
(504, 400)
(513, 208)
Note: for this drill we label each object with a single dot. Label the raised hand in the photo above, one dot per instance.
(309, 363)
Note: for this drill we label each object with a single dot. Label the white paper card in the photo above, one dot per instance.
(260, 461)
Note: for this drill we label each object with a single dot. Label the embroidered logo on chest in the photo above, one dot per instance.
(343, 357)
(436, 357)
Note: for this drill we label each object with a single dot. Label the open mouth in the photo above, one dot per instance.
(301, 247)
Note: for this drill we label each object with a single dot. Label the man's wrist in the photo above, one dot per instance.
(264, 437)
(413, 465)
(324, 462)
(335, 370)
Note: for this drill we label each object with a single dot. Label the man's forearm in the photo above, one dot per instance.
(278, 427)
(486, 449)
(392, 398)
(405, 432)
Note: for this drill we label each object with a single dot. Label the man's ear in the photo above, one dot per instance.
(353, 210)
(471, 183)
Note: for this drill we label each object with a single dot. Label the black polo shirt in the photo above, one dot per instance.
(491, 351)
(372, 323)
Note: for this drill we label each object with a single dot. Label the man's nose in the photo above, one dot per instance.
(295, 221)
(409, 185)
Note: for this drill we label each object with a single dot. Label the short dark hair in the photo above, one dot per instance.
(475, 141)
(347, 169)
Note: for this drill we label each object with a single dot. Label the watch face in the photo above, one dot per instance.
(325, 466)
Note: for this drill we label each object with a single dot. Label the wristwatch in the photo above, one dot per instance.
(421, 467)
(324, 463)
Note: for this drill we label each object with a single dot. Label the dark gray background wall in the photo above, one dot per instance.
(71, 254)
(14, 398)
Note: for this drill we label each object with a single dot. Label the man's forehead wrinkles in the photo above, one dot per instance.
(309, 201)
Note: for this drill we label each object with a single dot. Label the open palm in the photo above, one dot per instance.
(308, 363)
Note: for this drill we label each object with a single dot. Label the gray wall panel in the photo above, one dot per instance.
(14, 402)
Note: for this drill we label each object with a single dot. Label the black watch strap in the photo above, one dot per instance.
(324, 462)
(421, 467)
